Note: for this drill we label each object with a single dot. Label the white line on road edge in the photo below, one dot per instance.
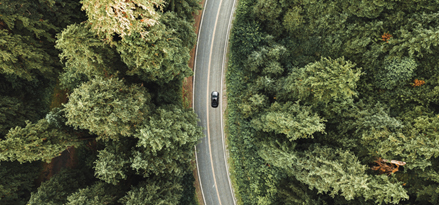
(193, 97)
(221, 114)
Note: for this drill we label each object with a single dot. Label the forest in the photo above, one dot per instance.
(334, 102)
(101, 80)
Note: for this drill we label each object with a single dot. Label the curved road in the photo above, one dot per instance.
(209, 65)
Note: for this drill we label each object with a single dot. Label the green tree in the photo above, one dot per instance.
(396, 72)
(162, 57)
(13, 113)
(122, 18)
(165, 142)
(293, 120)
(153, 192)
(334, 170)
(324, 81)
(107, 107)
(84, 54)
(56, 190)
(98, 193)
(38, 141)
(17, 182)
(112, 162)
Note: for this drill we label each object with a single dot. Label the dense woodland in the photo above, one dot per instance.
(102, 77)
(323, 94)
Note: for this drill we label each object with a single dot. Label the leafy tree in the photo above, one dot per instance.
(17, 182)
(107, 107)
(39, 141)
(153, 192)
(98, 193)
(61, 185)
(122, 18)
(293, 120)
(165, 142)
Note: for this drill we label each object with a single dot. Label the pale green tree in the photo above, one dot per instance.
(121, 17)
(165, 142)
(152, 192)
(36, 141)
(107, 107)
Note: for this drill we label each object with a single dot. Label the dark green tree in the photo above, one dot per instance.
(59, 187)
(17, 182)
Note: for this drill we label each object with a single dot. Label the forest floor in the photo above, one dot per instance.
(187, 96)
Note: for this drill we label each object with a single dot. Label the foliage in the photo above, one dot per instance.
(112, 163)
(12, 108)
(56, 190)
(122, 17)
(84, 54)
(17, 182)
(153, 192)
(165, 142)
(107, 107)
(39, 141)
(98, 193)
(348, 82)
(162, 57)
(293, 120)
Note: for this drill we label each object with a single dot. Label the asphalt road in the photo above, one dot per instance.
(209, 65)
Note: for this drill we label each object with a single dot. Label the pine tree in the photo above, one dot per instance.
(13, 113)
(38, 141)
(59, 187)
(324, 81)
(112, 162)
(122, 18)
(334, 170)
(84, 54)
(98, 193)
(17, 182)
(165, 142)
(151, 192)
(162, 57)
(293, 120)
(107, 107)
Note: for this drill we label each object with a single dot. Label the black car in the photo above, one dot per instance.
(214, 98)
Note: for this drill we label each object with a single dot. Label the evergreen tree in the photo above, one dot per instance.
(61, 185)
(162, 57)
(336, 171)
(122, 18)
(293, 120)
(13, 113)
(324, 81)
(107, 107)
(151, 192)
(39, 141)
(84, 55)
(165, 142)
(112, 162)
(98, 193)
(17, 182)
